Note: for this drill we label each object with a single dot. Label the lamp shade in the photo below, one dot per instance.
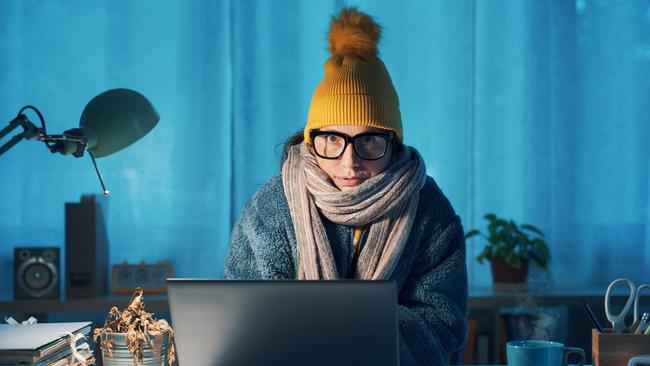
(115, 119)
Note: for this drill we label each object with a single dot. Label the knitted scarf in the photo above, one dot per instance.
(386, 203)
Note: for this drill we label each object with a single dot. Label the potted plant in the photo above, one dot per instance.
(510, 248)
(135, 336)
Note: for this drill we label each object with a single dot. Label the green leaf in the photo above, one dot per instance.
(472, 233)
(542, 248)
(533, 229)
(543, 264)
(539, 260)
(492, 231)
(521, 238)
(484, 254)
(513, 260)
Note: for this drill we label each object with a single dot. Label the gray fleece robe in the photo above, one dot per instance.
(431, 274)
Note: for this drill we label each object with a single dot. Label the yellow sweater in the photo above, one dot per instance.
(358, 231)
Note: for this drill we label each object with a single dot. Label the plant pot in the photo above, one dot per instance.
(120, 355)
(503, 273)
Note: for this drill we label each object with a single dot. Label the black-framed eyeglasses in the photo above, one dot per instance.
(367, 145)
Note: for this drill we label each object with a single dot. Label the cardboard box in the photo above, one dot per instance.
(611, 349)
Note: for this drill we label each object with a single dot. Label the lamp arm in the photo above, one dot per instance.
(72, 141)
(12, 125)
(79, 142)
(66, 144)
(55, 138)
(30, 132)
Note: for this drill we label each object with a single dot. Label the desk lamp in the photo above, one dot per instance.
(110, 122)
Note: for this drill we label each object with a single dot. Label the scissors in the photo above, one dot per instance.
(618, 320)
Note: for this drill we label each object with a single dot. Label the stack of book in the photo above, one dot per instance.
(46, 344)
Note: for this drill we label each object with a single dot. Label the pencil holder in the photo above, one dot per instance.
(612, 349)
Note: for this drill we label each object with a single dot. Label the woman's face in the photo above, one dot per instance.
(349, 170)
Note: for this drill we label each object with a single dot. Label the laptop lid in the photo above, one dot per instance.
(232, 322)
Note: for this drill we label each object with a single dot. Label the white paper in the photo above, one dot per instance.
(34, 336)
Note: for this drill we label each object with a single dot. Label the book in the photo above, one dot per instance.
(33, 342)
(470, 344)
(482, 349)
(69, 360)
(65, 356)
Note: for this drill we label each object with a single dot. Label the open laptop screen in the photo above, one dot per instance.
(231, 322)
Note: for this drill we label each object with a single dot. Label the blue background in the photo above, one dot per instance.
(535, 110)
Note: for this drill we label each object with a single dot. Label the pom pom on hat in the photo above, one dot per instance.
(353, 33)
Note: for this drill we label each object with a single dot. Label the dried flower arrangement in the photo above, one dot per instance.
(141, 330)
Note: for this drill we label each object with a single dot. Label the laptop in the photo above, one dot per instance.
(306, 323)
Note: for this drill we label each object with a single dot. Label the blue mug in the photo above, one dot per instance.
(541, 353)
(640, 360)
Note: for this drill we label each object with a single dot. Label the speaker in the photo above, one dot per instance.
(36, 273)
(86, 248)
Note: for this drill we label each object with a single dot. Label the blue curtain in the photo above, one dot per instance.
(559, 130)
(530, 109)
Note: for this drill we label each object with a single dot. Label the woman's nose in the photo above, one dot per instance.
(350, 159)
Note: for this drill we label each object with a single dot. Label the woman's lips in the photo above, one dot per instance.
(350, 182)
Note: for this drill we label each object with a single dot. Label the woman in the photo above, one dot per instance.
(353, 202)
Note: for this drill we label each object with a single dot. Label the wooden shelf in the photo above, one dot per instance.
(480, 298)
(153, 303)
(489, 298)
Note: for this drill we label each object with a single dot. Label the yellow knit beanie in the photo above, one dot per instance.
(356, 88)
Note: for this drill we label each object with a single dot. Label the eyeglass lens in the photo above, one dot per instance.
(366, 146)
